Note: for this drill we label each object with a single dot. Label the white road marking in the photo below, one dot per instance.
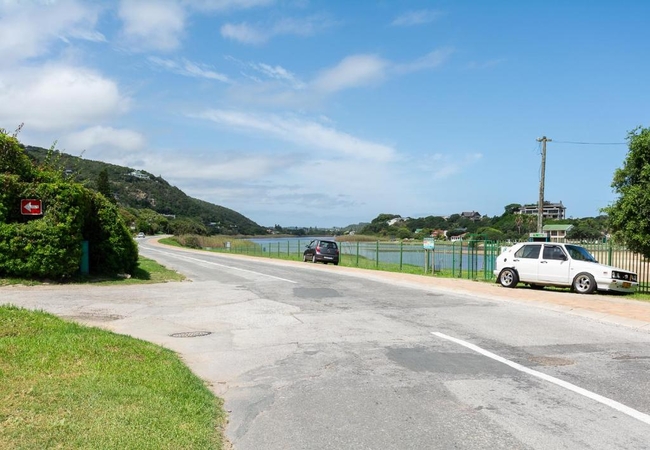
(189, 258)
(645, 418)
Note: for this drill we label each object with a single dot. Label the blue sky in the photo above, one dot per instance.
(328, 113)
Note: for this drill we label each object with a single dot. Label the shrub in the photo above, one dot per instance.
(51, 246)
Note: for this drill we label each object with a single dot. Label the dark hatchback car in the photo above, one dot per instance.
(324, 251)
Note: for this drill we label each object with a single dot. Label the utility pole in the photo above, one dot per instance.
(540, 205)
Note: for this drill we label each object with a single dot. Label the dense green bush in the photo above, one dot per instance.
(112, 249)
(51, 245)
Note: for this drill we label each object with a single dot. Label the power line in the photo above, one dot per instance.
(589, 143)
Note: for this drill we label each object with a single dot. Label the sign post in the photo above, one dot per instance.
(429, 245)
(538, 237)
(31, 207)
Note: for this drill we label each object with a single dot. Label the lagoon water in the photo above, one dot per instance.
(445, 257)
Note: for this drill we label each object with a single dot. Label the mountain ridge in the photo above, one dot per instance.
(138, 189)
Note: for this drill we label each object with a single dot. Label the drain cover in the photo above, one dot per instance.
(188, 334)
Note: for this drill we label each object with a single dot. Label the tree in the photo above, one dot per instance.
(629, 215)
(104, 187)
(404, 233)
(512, 208)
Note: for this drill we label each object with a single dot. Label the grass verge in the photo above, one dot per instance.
(148, 271)
(65, 385)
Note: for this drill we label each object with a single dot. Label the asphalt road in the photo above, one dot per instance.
(312, 356)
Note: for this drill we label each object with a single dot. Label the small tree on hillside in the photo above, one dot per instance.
(104, 187)
(629, 215)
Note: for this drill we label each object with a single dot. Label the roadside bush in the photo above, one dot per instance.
(191, 241)
(37, 249)
(50, 246)
(112, 249)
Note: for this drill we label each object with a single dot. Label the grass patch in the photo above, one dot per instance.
(148, 271)
(69, 386)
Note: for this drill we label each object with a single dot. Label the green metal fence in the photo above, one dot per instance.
(474, 259)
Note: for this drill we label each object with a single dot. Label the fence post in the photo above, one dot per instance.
(377, 256)
(401, 254)
(609, 254)
(453, 259)
(357, 253)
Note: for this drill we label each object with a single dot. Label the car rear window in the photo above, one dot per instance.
(328, 244)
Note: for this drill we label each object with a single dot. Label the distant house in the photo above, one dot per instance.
(397, 220)
(438, 234)
(557, 233)
(139, 174)
(471, 215)
(549, 211)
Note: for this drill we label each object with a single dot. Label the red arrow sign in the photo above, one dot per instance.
(31, 207)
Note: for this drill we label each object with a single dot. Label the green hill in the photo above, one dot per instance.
(137, 190)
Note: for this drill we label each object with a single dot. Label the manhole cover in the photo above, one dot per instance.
(189, 334)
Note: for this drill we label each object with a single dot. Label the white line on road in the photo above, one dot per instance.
(645, 418)
(189, 258)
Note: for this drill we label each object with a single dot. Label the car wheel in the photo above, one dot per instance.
(304, 258)
(336, 263)
(313, 259)
(584, 283)
(508, 278)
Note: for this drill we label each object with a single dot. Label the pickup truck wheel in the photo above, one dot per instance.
(508, 278)
(584, 283)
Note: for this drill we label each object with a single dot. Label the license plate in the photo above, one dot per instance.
(329, 257)
(626, 284)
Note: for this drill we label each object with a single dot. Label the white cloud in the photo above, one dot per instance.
(243, 33)
(55, 97)
(279, 87)
(29, 29)
(419, 17)
(431, 60)
(353, 71)
(259, 34)
(152, 24)
(278, 73)
(104, 139)
(305, 133)
(443, 166)
(304, 26)
(215, 168)
(223, 5)
(188, 68)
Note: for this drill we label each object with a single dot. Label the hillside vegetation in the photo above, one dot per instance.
(143, 197)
